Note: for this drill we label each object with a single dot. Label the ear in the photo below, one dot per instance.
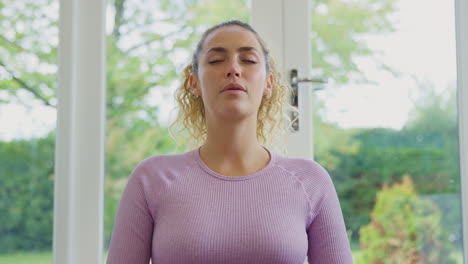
(193, 81)
(269, 85)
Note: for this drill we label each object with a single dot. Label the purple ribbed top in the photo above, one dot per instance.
(175, 209)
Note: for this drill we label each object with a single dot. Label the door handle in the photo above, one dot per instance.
(294, 81)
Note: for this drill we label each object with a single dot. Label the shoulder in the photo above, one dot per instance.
(308, 171)
(163, 164)
(313, 177)
(165, 161)
(155, 174)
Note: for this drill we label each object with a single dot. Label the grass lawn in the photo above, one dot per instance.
(25, 258)
(31, 257)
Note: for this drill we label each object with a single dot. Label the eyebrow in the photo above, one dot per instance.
(221, 49)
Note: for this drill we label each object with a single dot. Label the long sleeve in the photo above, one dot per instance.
(133, 228)
(328, 240)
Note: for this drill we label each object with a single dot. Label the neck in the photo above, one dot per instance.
(233, 147)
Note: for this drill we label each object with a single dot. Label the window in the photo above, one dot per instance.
(28, 69)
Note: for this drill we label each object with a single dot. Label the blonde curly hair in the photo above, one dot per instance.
(273, 117)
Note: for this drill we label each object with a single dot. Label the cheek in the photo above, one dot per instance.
(261, 81)
(206, 76)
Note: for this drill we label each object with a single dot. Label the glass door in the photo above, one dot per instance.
(385, 125)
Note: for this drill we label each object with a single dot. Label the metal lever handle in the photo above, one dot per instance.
(295, 80)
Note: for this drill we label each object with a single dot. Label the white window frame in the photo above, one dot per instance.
(79, 153)
(461, 27)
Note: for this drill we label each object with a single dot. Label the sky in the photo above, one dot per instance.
(422, 46)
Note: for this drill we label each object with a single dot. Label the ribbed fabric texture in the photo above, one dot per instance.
(175, 209)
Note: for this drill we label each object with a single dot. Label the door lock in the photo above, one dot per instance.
(294, 81)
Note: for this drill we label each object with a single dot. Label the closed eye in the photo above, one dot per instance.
(250, 61)
(214, 61)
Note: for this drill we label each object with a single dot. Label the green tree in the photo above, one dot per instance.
(28, 49)
(337, 30)
(27, 187)
(434, 123)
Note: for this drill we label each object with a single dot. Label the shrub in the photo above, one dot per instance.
(405, 229)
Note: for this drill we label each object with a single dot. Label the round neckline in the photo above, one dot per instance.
(196, 154)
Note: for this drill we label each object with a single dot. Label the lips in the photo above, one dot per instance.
(233, 86)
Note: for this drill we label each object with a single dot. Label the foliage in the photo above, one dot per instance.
(27, 188)
(330, 142)
(426, 148)
(28, 48)
(337, 30)
(404, 228)
(363, 173)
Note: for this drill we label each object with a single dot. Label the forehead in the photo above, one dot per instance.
(231, 37)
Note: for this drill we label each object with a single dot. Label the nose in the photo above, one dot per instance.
(233, 70)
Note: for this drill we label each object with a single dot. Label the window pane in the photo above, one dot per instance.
(386, 125)
(28, 81)
(149, 44)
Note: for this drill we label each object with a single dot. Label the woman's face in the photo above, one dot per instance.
(231, 58)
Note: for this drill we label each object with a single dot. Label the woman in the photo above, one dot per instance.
(231, 200)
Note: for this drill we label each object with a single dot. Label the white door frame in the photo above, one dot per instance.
(285, 26)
